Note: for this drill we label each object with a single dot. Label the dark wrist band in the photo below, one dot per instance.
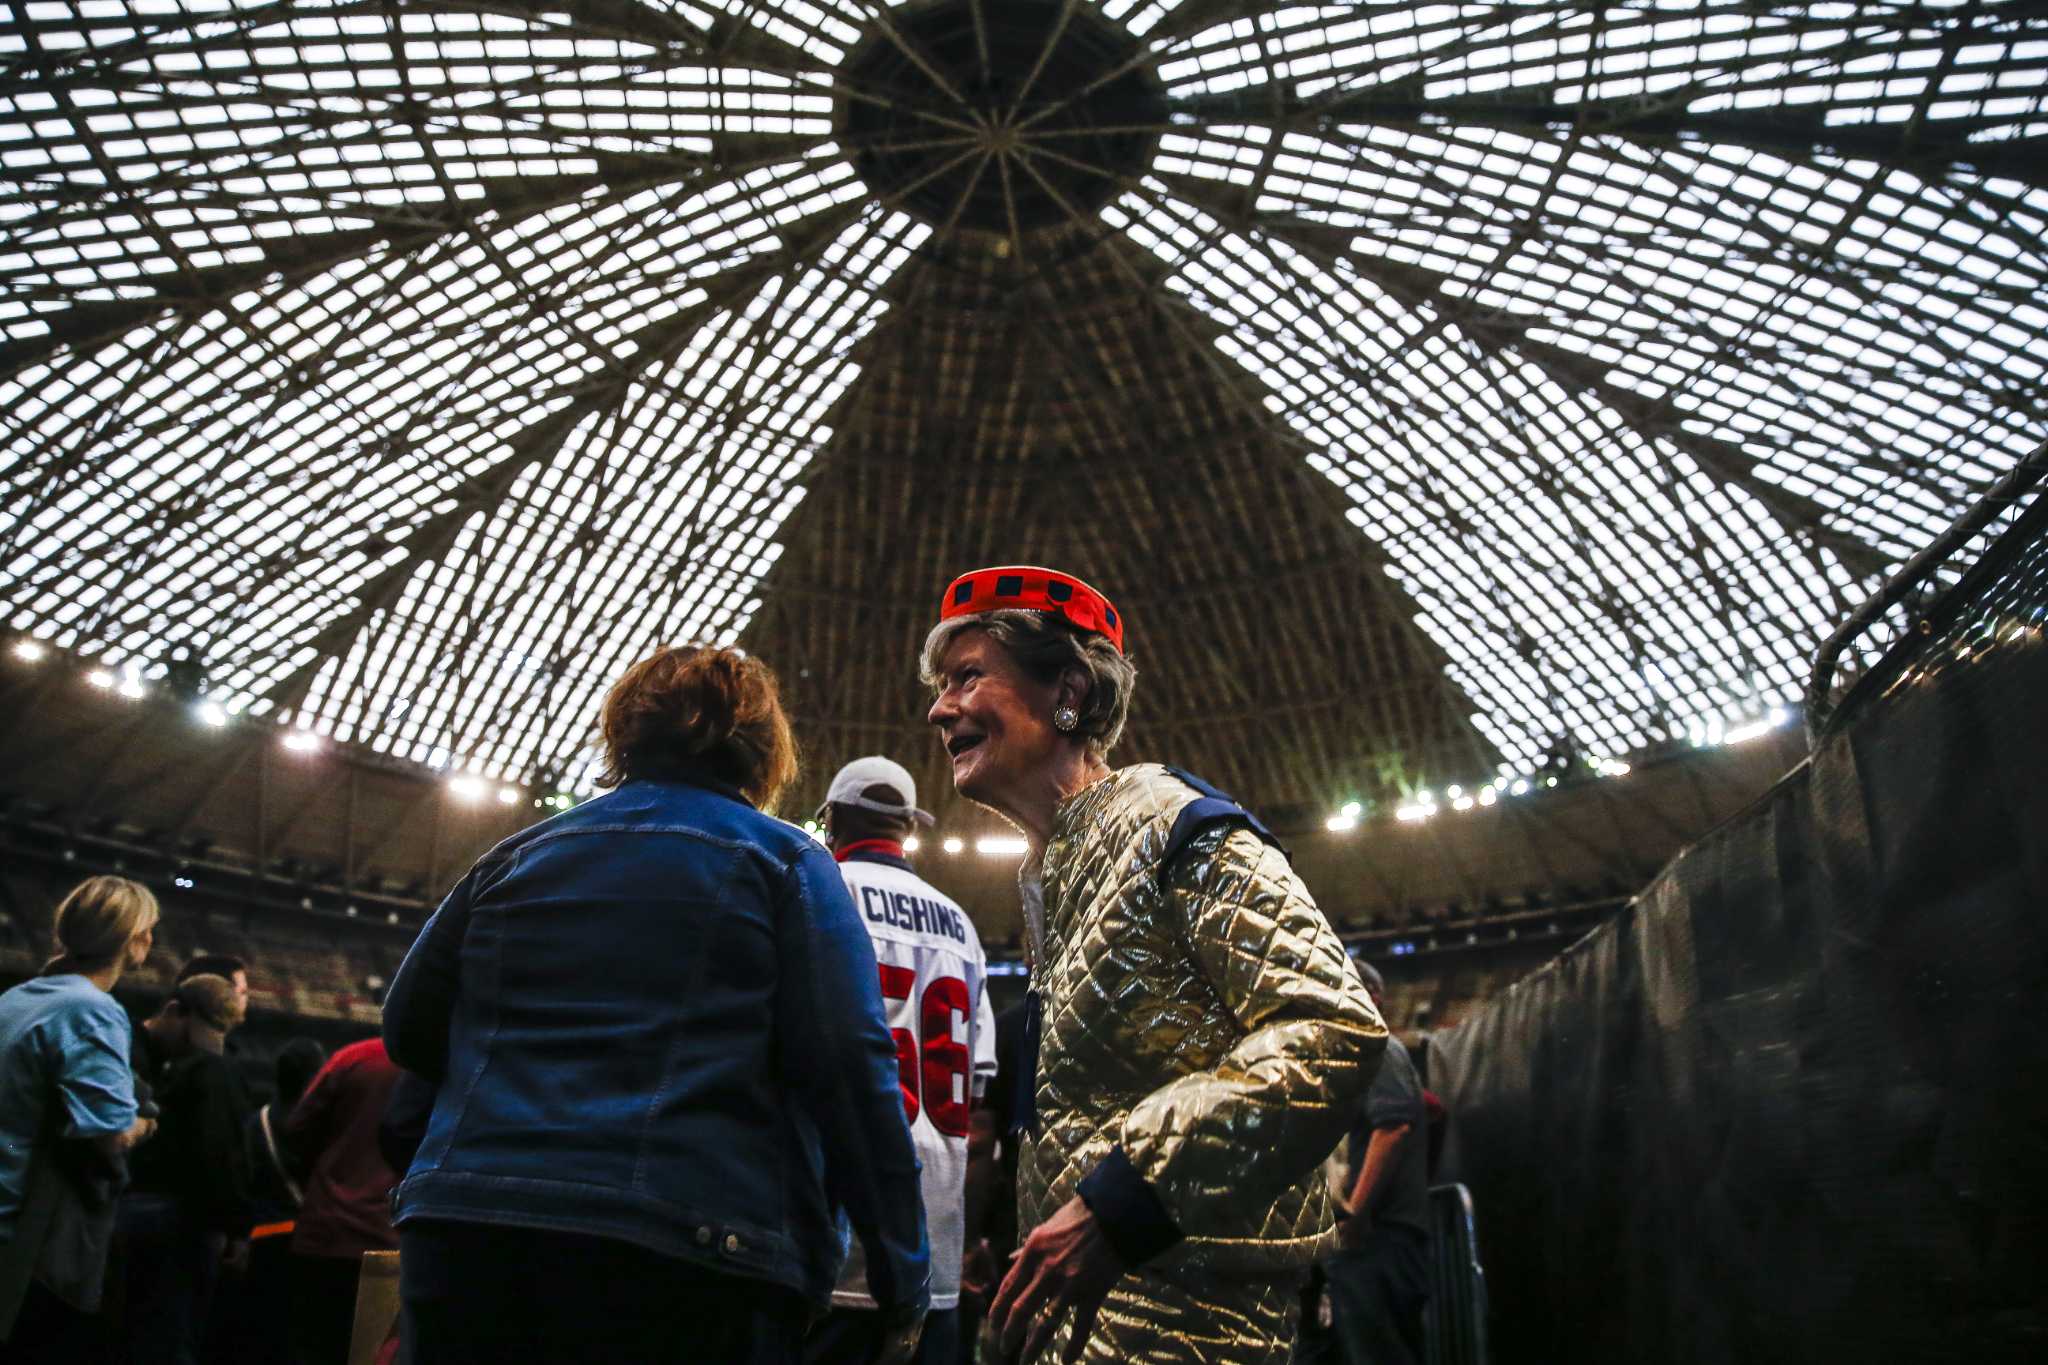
(1129, 1211)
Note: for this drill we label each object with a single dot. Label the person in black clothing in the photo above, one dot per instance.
(992, 1146)
(189, 1200)
(271, 1186)
(251, 1319)
(237, 973)
(1378, 1279)
(225, 965)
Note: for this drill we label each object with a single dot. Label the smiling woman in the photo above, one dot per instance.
(997, 668)
(1169, 1186)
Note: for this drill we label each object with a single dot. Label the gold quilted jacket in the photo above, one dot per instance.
(1210, 1024)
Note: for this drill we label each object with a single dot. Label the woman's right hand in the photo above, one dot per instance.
(116, 1145)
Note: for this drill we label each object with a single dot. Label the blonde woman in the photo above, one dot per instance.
(64, 1076)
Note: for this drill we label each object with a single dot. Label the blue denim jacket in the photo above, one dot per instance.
(657, 1017)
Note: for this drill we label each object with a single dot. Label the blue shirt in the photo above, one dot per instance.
(64, 1039)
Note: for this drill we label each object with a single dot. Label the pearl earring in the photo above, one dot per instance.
(1066, 720)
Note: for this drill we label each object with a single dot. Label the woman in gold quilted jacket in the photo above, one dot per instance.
(1202, 1039)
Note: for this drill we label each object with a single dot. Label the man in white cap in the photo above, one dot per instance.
(935, 994)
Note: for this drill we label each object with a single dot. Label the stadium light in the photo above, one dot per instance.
(1000, 846)
(29, 652)
(302, 741)
(911, 844)
(100, 678)
(468, 788)
(211, 713)
(953, 845)
(508, 796)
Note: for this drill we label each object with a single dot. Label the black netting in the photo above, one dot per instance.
(1793, 1103)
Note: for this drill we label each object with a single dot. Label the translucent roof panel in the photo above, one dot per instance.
(415, 367)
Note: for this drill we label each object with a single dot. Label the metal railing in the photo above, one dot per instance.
(1922, 608)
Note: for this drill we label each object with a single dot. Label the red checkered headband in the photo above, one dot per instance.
(1027, 587)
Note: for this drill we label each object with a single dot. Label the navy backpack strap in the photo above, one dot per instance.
(1213, 806)
(1024, 1072)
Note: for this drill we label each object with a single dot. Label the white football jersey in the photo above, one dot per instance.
(935, 999)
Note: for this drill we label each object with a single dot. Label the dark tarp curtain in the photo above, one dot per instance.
(1792, 1105)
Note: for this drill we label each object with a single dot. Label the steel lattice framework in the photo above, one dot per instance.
(1442, 386)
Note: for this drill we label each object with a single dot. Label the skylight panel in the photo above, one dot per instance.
(1498, 313)
(1239, 252)
(755, 374)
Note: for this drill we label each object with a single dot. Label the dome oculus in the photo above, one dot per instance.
(1009, 118)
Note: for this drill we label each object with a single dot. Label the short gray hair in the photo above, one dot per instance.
(1045, 646)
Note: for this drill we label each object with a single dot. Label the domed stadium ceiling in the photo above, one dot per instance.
(1436, 388)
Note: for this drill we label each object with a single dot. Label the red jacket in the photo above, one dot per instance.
(332, 1134)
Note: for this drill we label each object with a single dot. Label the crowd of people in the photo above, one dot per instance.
(150, 1210)
(665, 1078)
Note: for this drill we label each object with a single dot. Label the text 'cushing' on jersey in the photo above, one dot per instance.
(901, 910)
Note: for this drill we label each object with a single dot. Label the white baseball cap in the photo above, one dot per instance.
(850, 784)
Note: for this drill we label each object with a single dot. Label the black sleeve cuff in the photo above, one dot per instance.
(1129, 1210)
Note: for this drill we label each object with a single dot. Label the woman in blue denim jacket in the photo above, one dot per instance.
(655, 1025)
